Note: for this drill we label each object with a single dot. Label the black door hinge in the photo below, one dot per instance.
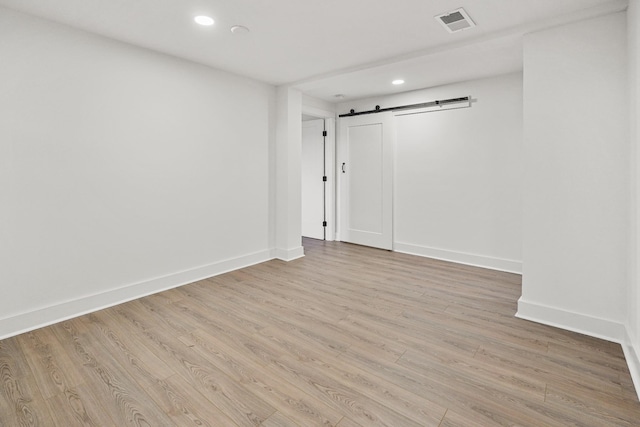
(324, 133)
(324, 223)
(324, 178)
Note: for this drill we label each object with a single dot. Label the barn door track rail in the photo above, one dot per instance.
(436, 103)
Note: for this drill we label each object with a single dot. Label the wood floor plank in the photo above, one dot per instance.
(466, 368)
(291, 401)
(239, 404)
(304, 329)
(347, 335)
(410, 405)
(189, 406)
(545, 367)
(290, 294)
(426, 342)
(234, 334)
(332, 334)
(279, 420)
(160, 382)
(128, 403)
(108, 329)
(76, 407)
(51, 365)
(493, 404)
(338, 395)
(608, 366)
(454, 419)
(92, 403)
(595, 403)
(207, 300)
(346, 422)
(19, 392)
(446, 395)
(332, 326)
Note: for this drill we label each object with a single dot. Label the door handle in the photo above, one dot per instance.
(343, 170)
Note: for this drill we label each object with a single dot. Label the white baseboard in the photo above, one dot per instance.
(507, 265)
(632, 356)
(586, 325)
(289, 254)
(576, 322)
(35, 319)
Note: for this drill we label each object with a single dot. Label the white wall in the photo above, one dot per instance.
(122, 171)
(576, 177)
(632, 350)
(457, 173)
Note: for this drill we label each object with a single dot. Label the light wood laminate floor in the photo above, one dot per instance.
(347, 336)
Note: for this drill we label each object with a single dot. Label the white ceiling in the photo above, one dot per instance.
(325, 47)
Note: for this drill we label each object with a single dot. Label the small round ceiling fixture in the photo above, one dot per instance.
(397, 82)
(207, 21)
(239, 29)
(339, 96)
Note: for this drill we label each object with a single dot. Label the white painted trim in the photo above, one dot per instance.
(500, 264)
(45, 316)
(330, 126)
(290, 254)
(576, 322)
(318, 112)
(586, 325)
(632, 356)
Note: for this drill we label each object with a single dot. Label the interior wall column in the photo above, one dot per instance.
(288, 221)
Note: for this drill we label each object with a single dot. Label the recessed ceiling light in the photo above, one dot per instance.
(239, 29)
(204, 20)
(397, 82)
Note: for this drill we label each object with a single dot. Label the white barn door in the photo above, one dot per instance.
(365, 168)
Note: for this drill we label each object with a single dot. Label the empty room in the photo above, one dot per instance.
(337, 213)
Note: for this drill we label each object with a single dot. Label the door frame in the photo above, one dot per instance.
(330, 163)
(312, 130)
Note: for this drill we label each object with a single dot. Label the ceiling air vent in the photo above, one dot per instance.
(456, 20)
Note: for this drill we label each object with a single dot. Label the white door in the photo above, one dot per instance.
(365, 171)
(312, 184)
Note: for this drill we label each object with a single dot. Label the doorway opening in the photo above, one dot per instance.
(318, 179)
(314, 178)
